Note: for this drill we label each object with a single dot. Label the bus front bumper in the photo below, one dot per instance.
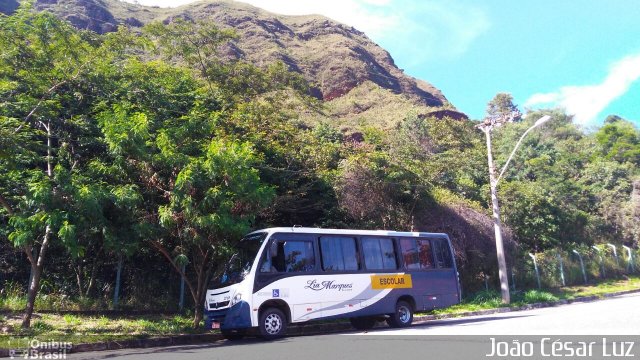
(237, 316)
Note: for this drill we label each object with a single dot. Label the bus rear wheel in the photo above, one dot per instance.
(273, 324)
(363, 323)
(402, 317)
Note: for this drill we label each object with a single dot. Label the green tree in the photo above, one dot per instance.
(502, 106)
(444, 153)
(609, 187)
(620, 140)
(530, 212)
(43, 67)
(203, 197)
(214, 202)
(376, 193)
(182, 140)
(250, 104)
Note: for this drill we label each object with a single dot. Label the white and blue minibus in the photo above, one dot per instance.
(282, 276)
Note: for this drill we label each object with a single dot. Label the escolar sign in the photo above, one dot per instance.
(399, 281)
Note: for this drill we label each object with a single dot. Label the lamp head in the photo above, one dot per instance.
(542, 120)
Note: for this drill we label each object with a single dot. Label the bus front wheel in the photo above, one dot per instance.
(402, 317)
(273, 323)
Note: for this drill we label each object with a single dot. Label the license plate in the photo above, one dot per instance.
(215, 325)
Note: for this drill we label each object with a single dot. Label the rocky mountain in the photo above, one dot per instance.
(335, 58)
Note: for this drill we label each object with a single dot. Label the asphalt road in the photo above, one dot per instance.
(614, 316)
(601, 322)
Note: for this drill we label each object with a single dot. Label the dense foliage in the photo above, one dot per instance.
(150, 147)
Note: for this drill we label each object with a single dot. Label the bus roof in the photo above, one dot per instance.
(308, 230)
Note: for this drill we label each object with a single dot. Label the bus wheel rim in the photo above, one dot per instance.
(272, 324)
(404, 314)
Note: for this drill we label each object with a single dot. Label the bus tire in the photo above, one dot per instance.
(273, 323)
(363, 323)
(402, 317)
(233, 335)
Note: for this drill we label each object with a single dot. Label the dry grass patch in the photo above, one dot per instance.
(86, 329)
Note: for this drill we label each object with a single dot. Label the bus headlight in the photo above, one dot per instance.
(236, 299)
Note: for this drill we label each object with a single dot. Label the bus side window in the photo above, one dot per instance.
(417, 253)
(289, 256)
(278, 257)
(266, 266)
(273, 258)
(338, 253)
(410, 255)
(425, 254)
(379, 253)
(443, 253)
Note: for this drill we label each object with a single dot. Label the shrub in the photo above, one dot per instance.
(536, 296)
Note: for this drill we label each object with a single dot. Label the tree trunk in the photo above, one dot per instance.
(199, 314)
(200, 293)
(5, 204)
(116, 293)
(35, 282)
(203, 278)
(78, 269)
(195, 293)
(87, 291)
(37, 266)
(94, 269)
(202, 270)
(635, 212)
(181, 302)
(49, 157)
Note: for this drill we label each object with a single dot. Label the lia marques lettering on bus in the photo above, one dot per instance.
(327, 285)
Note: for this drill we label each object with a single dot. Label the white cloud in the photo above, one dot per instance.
(421, 29)
(454, 25)
(588, 101)
(360, 14)
(417, 30)
(364, 15)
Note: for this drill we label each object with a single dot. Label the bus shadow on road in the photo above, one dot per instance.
(178, 350)
(186, 350)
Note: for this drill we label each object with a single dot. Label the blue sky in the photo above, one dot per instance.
(583, 56)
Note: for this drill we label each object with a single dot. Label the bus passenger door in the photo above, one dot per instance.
(283, 274)
(445, 278)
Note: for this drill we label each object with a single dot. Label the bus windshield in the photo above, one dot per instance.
(239, 264)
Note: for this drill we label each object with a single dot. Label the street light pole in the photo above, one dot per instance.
(487, 127)
(497, 225)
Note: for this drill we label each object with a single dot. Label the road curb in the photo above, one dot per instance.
(583, 299)
(311, 329)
